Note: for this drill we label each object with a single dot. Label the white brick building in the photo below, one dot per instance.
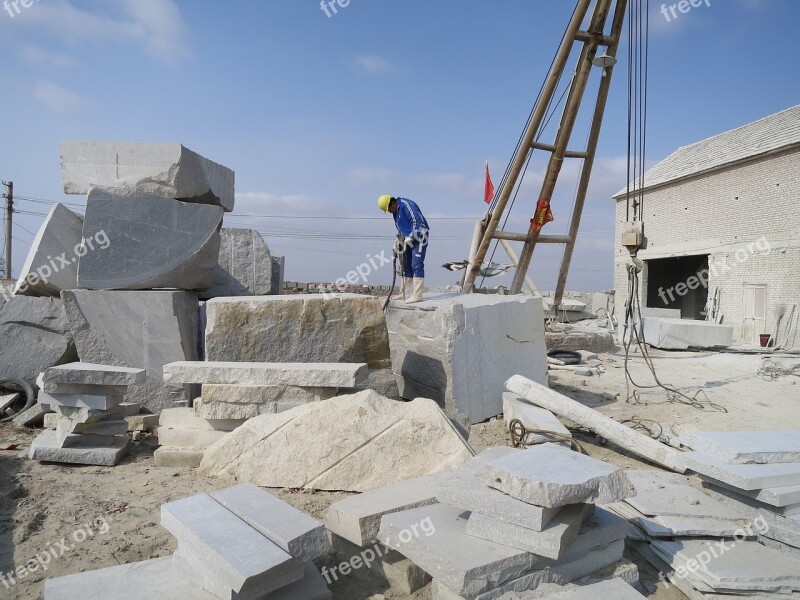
(726, 209)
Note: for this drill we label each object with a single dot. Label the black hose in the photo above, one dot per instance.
(18, 385)
(394, 281)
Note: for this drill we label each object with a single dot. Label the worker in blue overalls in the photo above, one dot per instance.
(413, 231)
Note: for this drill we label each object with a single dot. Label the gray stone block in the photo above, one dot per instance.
(35, 336)
(263, 374)
(292, 530)
(244, 267)
(93, 374)
(51, 265)
(159, 327)
(746, 447)
(46, 448)
(169, 170)
(148, 579)
(154, 242)
(142, 422)
(278, 268)
(680, 334)
(553, 476)
(436, 340)
(230, 551)
(404, 576)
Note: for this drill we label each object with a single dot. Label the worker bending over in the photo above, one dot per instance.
(413, 231)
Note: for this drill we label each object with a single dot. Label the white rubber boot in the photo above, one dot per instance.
(405, 289)
(419, 285)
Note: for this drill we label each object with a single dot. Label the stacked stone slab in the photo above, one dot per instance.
(91, 428)
(512, 520)
(183, 436)
(237, 543)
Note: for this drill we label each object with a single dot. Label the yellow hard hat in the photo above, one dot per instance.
(383, 202)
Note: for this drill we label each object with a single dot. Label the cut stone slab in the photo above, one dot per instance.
(292, 530)
(550, 542)
(92, 374)
(227, 411)
(229, 550)
(680, 334)
(313, 328)
(552, 476)
(746, 477)
(35, 336)
(142, 422)
(463, 489)
(354, 443)
(436, 340)
(186, 418)
(103, 428)
(615, 589)
(778, 497)
(32, 416)
(532, 417)
(88, 415)
(600, 530)
(746, 447)
(467, 565)
(154, 242)
(148, 579)
(46, 448)
(252, 394)
(51, 420)
(190, 439)
(358, 518)
(78, 389)
(244, 267)
(166, 169)
(177, 457)
(94, 402)
(52, 265)
(159, 327)
(347, 375)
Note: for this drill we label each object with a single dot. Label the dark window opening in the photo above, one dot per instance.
(670, 282)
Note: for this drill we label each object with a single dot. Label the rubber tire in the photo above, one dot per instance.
(18, 385)
(569, 357)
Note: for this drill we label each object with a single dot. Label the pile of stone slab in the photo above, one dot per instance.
(680, 334)
(240, 542)
(91, 429)
(507, 521)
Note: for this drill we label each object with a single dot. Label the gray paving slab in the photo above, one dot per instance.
(347, 375)
(600, 530)
(239, 557)
(777, 497)
(92, 374)
(532, 417)
(148, 579)
(611, 589)
(746, 477)
(45, 447)
(468, 565)
(358, 518)
(302, 536)
(656, 496)
(746, 447)
(553, 476)
(549, 543)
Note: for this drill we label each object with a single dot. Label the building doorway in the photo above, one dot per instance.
(754, 313)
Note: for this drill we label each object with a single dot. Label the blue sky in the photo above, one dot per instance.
(320, 115)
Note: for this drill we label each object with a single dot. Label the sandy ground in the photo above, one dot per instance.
(95, 517)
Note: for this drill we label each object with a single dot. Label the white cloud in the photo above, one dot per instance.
(57, 99)
(374, 65)
(37, 56)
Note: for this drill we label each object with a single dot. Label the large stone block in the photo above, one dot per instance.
(35, 336)
(153, 242)
(51, 265)
(302, 328)
(165, 169)
(346, 375)
(245, 265)
(137, 329)
(356, 443)
(440, 344)
(680, 334)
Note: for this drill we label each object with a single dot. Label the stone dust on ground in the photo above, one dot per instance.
(100, 516)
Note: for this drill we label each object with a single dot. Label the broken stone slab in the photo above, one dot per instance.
(680, 334)
(166, 169)
(432, 342)
(551, 542)
(166, 456)
(303, 328)
(46, 448)
(616, 589)
(88, 415)
(159, 327)
(252, 394)
(278, 268)
(532, 417)
(745, 477)
(358, 518)
(153, 242)
(746, 447)
(142, 422)
(228, 550)
(34, 415)
(357, 443)
(599, 530)
(96, 402)
(467, 565)
(92, 374)
(244, 267)
(463, 489)
(292, 530)
(52, 262)
(148, 579)
(347, 375)
(51, 420)
(35, 336)
(553, 476)
(776, 497)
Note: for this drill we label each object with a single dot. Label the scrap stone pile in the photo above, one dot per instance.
(240, 542)
(90, 429)
(506, 521)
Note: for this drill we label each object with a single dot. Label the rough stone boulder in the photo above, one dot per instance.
(314, 328)
(352, 443)
(35, 335)
(245, 265)
(564, 336)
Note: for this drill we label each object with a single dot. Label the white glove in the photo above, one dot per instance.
(409, 240)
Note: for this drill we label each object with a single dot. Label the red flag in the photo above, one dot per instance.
(542, 216)
(488, 188)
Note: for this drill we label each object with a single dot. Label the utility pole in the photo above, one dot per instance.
(9, 196)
